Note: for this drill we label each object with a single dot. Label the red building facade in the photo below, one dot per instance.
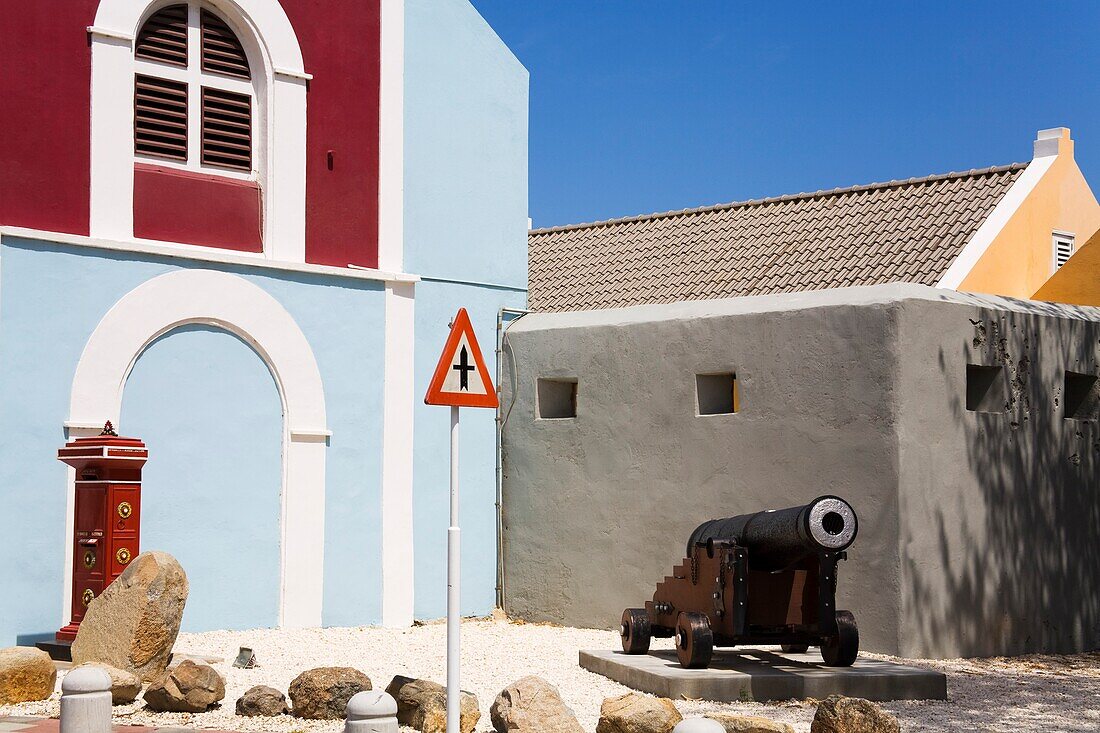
(46, 80)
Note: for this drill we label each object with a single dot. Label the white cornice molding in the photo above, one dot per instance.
(110, 33)
(291, 73)
(177, 250)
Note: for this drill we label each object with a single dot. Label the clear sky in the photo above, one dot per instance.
(647, 105)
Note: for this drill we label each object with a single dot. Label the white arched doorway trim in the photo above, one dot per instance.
(232, 303)
(282, 158)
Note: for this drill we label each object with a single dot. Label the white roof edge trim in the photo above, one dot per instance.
(995, 223)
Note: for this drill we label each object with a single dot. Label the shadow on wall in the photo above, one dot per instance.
(1018, 563)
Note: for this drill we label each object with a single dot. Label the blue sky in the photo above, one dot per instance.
(639, 105)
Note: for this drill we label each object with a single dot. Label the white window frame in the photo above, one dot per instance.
(196, 78)
(1057, 239)
(279, 79)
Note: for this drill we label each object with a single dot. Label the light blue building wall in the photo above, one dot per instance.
(210, 411)
(466, 99)
(466, 104)
(51, 299)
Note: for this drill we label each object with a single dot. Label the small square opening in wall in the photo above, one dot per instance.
(557, 398)
(985, 388)
(1081, 396)
(717, 394)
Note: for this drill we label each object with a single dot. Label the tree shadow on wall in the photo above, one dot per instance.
(1018, 557)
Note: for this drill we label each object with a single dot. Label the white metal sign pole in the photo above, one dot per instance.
(453, 558)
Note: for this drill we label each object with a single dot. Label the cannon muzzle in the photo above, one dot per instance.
(778, 538)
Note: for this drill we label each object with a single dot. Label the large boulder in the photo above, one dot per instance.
(532, 705)
(422, 704)
(634, 713)
(186, 688)
(134, 623)
(749, 724)
(125, 686)
(323, 693)
(26, 674)
(262, 701)
(839, 714)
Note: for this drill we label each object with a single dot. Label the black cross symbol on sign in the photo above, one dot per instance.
(464, 368)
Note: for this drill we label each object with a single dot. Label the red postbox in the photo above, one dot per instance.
(107, 516)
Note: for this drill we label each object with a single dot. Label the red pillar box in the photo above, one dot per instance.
(108, 514)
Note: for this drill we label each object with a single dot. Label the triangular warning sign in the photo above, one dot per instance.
(461, 379)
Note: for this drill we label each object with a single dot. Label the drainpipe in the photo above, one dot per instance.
(513, 314)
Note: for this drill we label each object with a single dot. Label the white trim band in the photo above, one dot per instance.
(204, 254)
(397, 457)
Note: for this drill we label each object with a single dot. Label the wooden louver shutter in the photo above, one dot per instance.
(164, 37)
(160, 118)
(226, 129)
(222, 52)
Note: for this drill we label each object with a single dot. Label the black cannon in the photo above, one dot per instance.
(763, 578)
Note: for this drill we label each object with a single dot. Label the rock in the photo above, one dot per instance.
(26, 674)
(186, 688)
(323, 693)
(125, 686)
(838, 714)
(134, 623)
(422, 704)
(532, 705)
(634, 713)
(749, 724)
(262, 701)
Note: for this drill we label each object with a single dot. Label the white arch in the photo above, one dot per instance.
(266, 17)
(282, 90)
(230, 302)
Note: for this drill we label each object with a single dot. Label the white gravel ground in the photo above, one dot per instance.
(1035, 693)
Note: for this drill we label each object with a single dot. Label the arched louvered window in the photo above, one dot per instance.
(194, 100)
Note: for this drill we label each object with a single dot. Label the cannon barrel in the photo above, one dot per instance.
(778, 538)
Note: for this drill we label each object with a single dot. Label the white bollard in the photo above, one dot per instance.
(373, 711)
(86, 701)
(699, 725)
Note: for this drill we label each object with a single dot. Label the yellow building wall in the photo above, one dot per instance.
(1019, 261)
(1078, 281)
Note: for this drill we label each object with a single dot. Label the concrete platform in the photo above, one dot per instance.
(756, 674)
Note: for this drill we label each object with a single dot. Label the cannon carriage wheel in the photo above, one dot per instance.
(635, 631)
(694, 640)
(842, 649)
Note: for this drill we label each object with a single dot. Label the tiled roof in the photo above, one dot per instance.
(899, 231)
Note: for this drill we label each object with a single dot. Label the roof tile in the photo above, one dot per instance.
(907, 231)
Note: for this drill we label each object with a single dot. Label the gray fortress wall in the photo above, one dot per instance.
(979, 531)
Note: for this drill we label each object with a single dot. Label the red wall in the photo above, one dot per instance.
(181, 206)
(45, 73)
(340, 47)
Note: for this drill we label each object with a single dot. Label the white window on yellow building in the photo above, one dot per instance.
(1062, 243)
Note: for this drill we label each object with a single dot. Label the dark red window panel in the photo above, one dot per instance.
(164, 37)
(226, 129)
(160, 118)
(222, 52)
